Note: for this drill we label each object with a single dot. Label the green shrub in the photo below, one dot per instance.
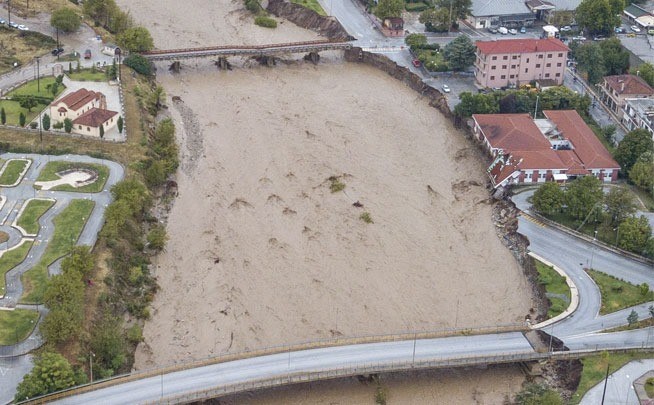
(21, 119)
(253, 6)
(335, 185)
(140, 64)
(58, 125)
(265, 22)
(365, 217)
(33, 125)
(416, 7)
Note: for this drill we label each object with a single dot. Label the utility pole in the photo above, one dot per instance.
(9, 11)
(606, 379)
(38, 75)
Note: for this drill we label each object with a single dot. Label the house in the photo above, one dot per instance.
(639, 16)
(111, 50)
(500, 13)
(545, 9)
(557, 148)
(75, 104)
(615, 89)
(393, 27)
(89, 123)
(639, 113)
(519, 61)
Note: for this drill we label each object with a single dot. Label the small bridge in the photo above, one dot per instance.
(265, 53)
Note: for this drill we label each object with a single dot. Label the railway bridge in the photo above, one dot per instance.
(265, 54)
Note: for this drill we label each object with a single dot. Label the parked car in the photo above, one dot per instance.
(416, 63)
(492, 30)
(3, 22)
(635, 28)
(446, 88)
(57, 51)
(599, 38)
(513, 31)
(23, 28)
(87, 54)
(579, 38)
(650, 31)
(523, 30)
(620, 30)
(565, 28)
(503, 30)
(13, 25)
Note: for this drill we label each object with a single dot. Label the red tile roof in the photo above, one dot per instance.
(94, 117)
(632, 84)
(511, 131)
(503, 46)
(586, 145)
(79, 98)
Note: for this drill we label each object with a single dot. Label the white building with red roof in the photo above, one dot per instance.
(87, 110)
(557, 148)
(519, 61)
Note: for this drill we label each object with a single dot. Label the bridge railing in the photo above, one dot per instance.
(243, 47)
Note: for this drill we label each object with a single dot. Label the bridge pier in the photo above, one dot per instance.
(175, 67)
(267, 60)
(314, 57)
(223, 64)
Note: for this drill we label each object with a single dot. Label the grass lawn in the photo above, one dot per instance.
(20, 48)
(12, 171)
(16, 325)
(595, 369)
(10, 260)
(49, 173)
(86, 75)
(29, 218)
(13, 110)
(68, 226)
(649, 387)
(554, 284)
(35, 88)
(311, 5)
(432, 60)
(604, 234)
(617, 294)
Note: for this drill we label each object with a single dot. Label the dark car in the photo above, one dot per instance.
(57, 51)
(13, 25)
(87, 54)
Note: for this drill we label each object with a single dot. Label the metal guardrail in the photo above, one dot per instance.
(232, 50)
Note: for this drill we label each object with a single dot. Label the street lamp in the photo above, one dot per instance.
(91, 364)
(38, 75)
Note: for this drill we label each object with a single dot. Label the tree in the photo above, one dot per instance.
(617, 6)
(435, 20)
(21, 119)
(633, 317)
(101, 131)
(120, 124)
(3, 116)
(389, 8)
(632, 146)
(136, 39)
(634, 234)
(548, 199)
(51, 373)
(475, 104)
(583, 195)
(108, 344)
(536, 394)
(155, 100)
(139, 64)
(157, 237)
(460, 8)
(590, 59)
(460, 53)
(620, 204)
(646, 71)
(79, 261)
(70, 67)
(28, 102)
(65, 19)
(616, 58)
(45, 122)
(642, 172)
(415, 40)
(54, 89)
(68, 125)
(596, 17)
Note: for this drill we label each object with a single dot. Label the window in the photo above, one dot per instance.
(506, 57)
(514, 57)
(526, 70)
(548, 65)
(493, 67)
(547, 75)
(558, 65)
(558, 75)
(88, 128)
(492, 77)
(494, 57)
(560, 55)
(503, 77)
(512, 77)
(527, 60)
(549, 56)
(80, 127)
(540, 56)
(538, 65)
(503, 66)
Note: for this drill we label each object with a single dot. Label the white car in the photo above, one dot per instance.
(446, 88)
(23, 28)
(566, 28)
(513, 31)
(635, 28)
(578, 38)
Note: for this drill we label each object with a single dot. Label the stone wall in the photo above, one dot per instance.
(303, 17)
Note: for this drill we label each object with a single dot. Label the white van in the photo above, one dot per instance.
(503, 30)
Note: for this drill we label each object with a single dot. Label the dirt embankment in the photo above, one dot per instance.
(309, 19)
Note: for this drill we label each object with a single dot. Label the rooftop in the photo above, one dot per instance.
(505, 46)
(498, 7)
(79, 98)
(94, 117)
(628, 84)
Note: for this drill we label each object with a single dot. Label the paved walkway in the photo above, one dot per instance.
(619, 387)
(12, 371)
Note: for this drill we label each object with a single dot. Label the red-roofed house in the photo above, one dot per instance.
(557, 148)
(519, 61)
(615, 89)
(89, 123)
(74, 104)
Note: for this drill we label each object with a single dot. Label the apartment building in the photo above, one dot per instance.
(514, 62)
(639, 113)
(616, 89)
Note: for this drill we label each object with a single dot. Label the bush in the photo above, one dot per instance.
(416, 7)
(140, 64)
(253, 6)
(33, 125)
(21, 119)
(68, 125)
(265, 22)
(58, 125)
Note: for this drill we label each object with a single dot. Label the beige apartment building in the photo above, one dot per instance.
(514, 62)
(616, 89)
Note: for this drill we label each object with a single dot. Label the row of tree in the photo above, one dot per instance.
(444, 14)
(583, 201)
(599, 59)
(599, 17)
